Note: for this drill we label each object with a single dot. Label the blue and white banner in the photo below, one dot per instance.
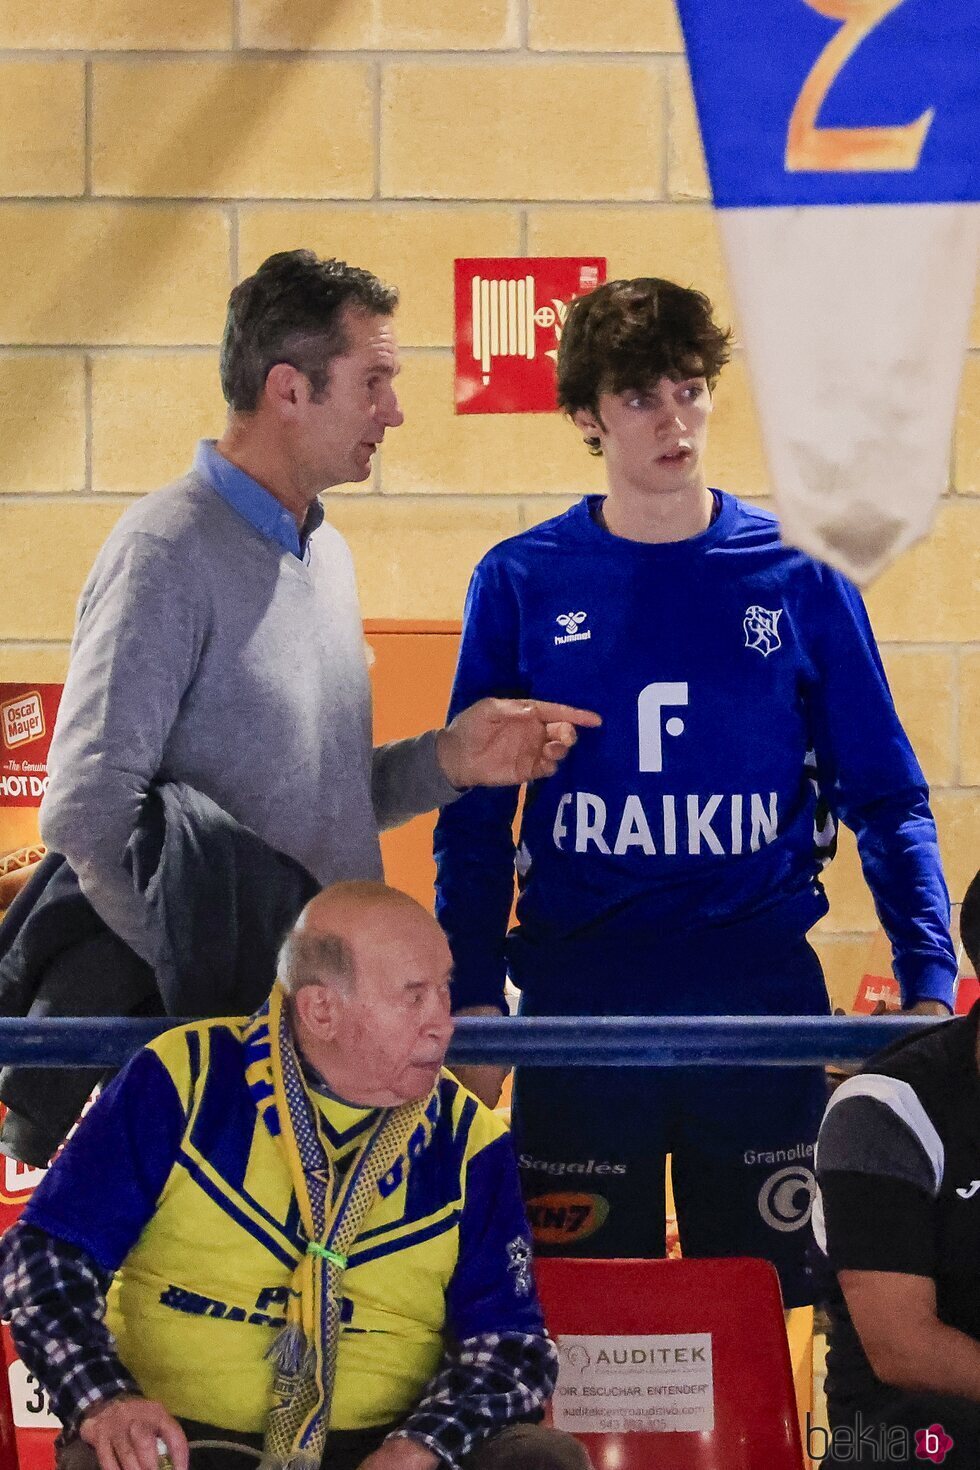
(843, 146)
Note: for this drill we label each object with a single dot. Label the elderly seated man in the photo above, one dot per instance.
(898, 1215)
(295, 1232)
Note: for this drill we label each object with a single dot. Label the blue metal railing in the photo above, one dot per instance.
(553, 1041)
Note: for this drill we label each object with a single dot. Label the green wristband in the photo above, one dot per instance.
(313, 1248)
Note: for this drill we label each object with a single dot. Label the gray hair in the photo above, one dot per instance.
(322, 959)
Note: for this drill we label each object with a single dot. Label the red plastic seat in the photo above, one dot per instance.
(26, 1436)
(8, 1438)
(738, 1392)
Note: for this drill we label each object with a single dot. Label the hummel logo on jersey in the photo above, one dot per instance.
(970, 1191)
(760, 629)
(571, 622)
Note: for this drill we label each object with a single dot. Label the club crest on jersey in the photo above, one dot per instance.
(572, 622)
(760, 624)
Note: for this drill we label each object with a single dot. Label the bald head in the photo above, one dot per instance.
(359, 904)
(367, 970)
(342, 921)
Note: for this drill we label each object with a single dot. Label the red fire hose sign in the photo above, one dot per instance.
(509, 317)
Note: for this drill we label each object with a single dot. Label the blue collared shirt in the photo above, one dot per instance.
(251, 500)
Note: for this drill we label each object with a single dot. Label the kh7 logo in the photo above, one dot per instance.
(561, 1217)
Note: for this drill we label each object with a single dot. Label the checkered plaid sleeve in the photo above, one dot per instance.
(484, 1384)
(54, 1296)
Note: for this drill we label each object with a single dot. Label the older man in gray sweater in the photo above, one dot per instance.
(219, 640)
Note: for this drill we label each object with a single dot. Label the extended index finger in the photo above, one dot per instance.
(551, 713)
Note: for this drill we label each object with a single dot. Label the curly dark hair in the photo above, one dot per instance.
(291, 310)
(970, 924)
(627, 334)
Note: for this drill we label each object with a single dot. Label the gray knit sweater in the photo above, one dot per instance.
(206, 653)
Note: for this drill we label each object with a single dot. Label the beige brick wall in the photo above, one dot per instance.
(150, 155)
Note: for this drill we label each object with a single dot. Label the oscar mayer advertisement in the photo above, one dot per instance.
(27, 716)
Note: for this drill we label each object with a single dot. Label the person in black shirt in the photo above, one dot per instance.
(898, 1219)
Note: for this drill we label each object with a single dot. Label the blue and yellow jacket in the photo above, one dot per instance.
(200, 1225)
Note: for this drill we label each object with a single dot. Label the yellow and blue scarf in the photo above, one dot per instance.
(333, 1206)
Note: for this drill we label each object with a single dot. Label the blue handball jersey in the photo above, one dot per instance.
(744, 710)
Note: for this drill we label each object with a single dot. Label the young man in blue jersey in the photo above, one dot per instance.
(672, 866)
(294, 1232)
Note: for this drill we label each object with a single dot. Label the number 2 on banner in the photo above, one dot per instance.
(810, 149)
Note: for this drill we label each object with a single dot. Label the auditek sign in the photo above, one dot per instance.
(642, 1384)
